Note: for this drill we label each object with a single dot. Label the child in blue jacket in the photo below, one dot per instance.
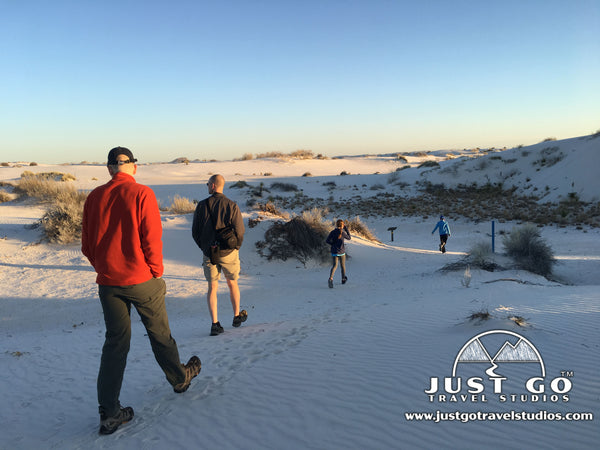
(444, 233)
(338, 250)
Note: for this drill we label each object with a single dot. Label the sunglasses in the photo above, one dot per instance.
(126, 161)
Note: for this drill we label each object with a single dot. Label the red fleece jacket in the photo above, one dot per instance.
(122, 232)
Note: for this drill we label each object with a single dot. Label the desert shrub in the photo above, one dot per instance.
(402, 168)
(330, 184)
(307, 174)
(343, 173)
(41, 188)
(480, 316)
(527, 248)
(62, 222)
(269, 207)
(480, 255)
(269, 155)
(32, 164)
(377, 187)
(246, 157)
(56, 176)
(5, 197)
(5, 164)
(428, 163)
(401, 157)
(298, 238)
(239, 184)
(182, 205)
(359, 228)
(285, 187)
(302, 154)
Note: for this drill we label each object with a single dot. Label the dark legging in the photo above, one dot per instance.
(342, 260)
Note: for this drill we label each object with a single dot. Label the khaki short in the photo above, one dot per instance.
(229, 264)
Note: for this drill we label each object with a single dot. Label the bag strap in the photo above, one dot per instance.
(210, 213)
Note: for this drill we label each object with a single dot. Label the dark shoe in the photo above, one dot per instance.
(330, 283)
(216, 329)
(241, 317)
(108, 425)
(192, 369)
(344, 279)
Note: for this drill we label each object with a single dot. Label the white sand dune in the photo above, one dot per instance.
(312, 367)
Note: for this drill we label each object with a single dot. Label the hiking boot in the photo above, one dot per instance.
(192, 369)
(330, 283)
(241, 317)
(108, 425)
(344, 279)
(216, 329)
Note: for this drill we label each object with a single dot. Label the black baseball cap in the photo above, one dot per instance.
(112, 155)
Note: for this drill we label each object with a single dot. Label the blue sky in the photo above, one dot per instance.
(222, 78)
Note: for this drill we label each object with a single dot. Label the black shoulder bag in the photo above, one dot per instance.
(225, 238)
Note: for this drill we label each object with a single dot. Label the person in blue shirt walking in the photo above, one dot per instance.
(338, 250)
(444, 228)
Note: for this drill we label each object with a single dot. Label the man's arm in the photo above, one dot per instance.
(238, 225)
(151, 233)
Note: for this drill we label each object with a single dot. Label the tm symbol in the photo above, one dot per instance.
(567, 373)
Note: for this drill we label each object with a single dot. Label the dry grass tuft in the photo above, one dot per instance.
(182, 205)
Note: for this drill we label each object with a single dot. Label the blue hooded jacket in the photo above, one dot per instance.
(443, 226)
(336, 240)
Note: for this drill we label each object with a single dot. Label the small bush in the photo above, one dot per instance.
(377, 187)
(62, 222)
(239, 185)
(182, 205)
(357, 227)
(307, 174)
(56, 176)
(343, 173)
(527, 248)
(246, 156)
(428, 163)
(41, 188)
(302, 154)
(270, 208)
(5, 164)
(480, 316)
(269, 155)
(5, 197)
(480, 255)
(401, 157)
(285, 187)
(299, 238)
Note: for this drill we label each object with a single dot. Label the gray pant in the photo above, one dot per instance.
(342, 260)
(149, 300)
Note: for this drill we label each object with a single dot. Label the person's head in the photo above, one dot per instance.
(339, 223)
(441, 217)
(216, 183)
(120, 159)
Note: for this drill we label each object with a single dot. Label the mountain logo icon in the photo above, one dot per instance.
(499, 346)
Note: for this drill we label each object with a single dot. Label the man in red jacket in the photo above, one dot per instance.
(122, 239)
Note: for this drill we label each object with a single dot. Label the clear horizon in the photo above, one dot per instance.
(208, 80)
